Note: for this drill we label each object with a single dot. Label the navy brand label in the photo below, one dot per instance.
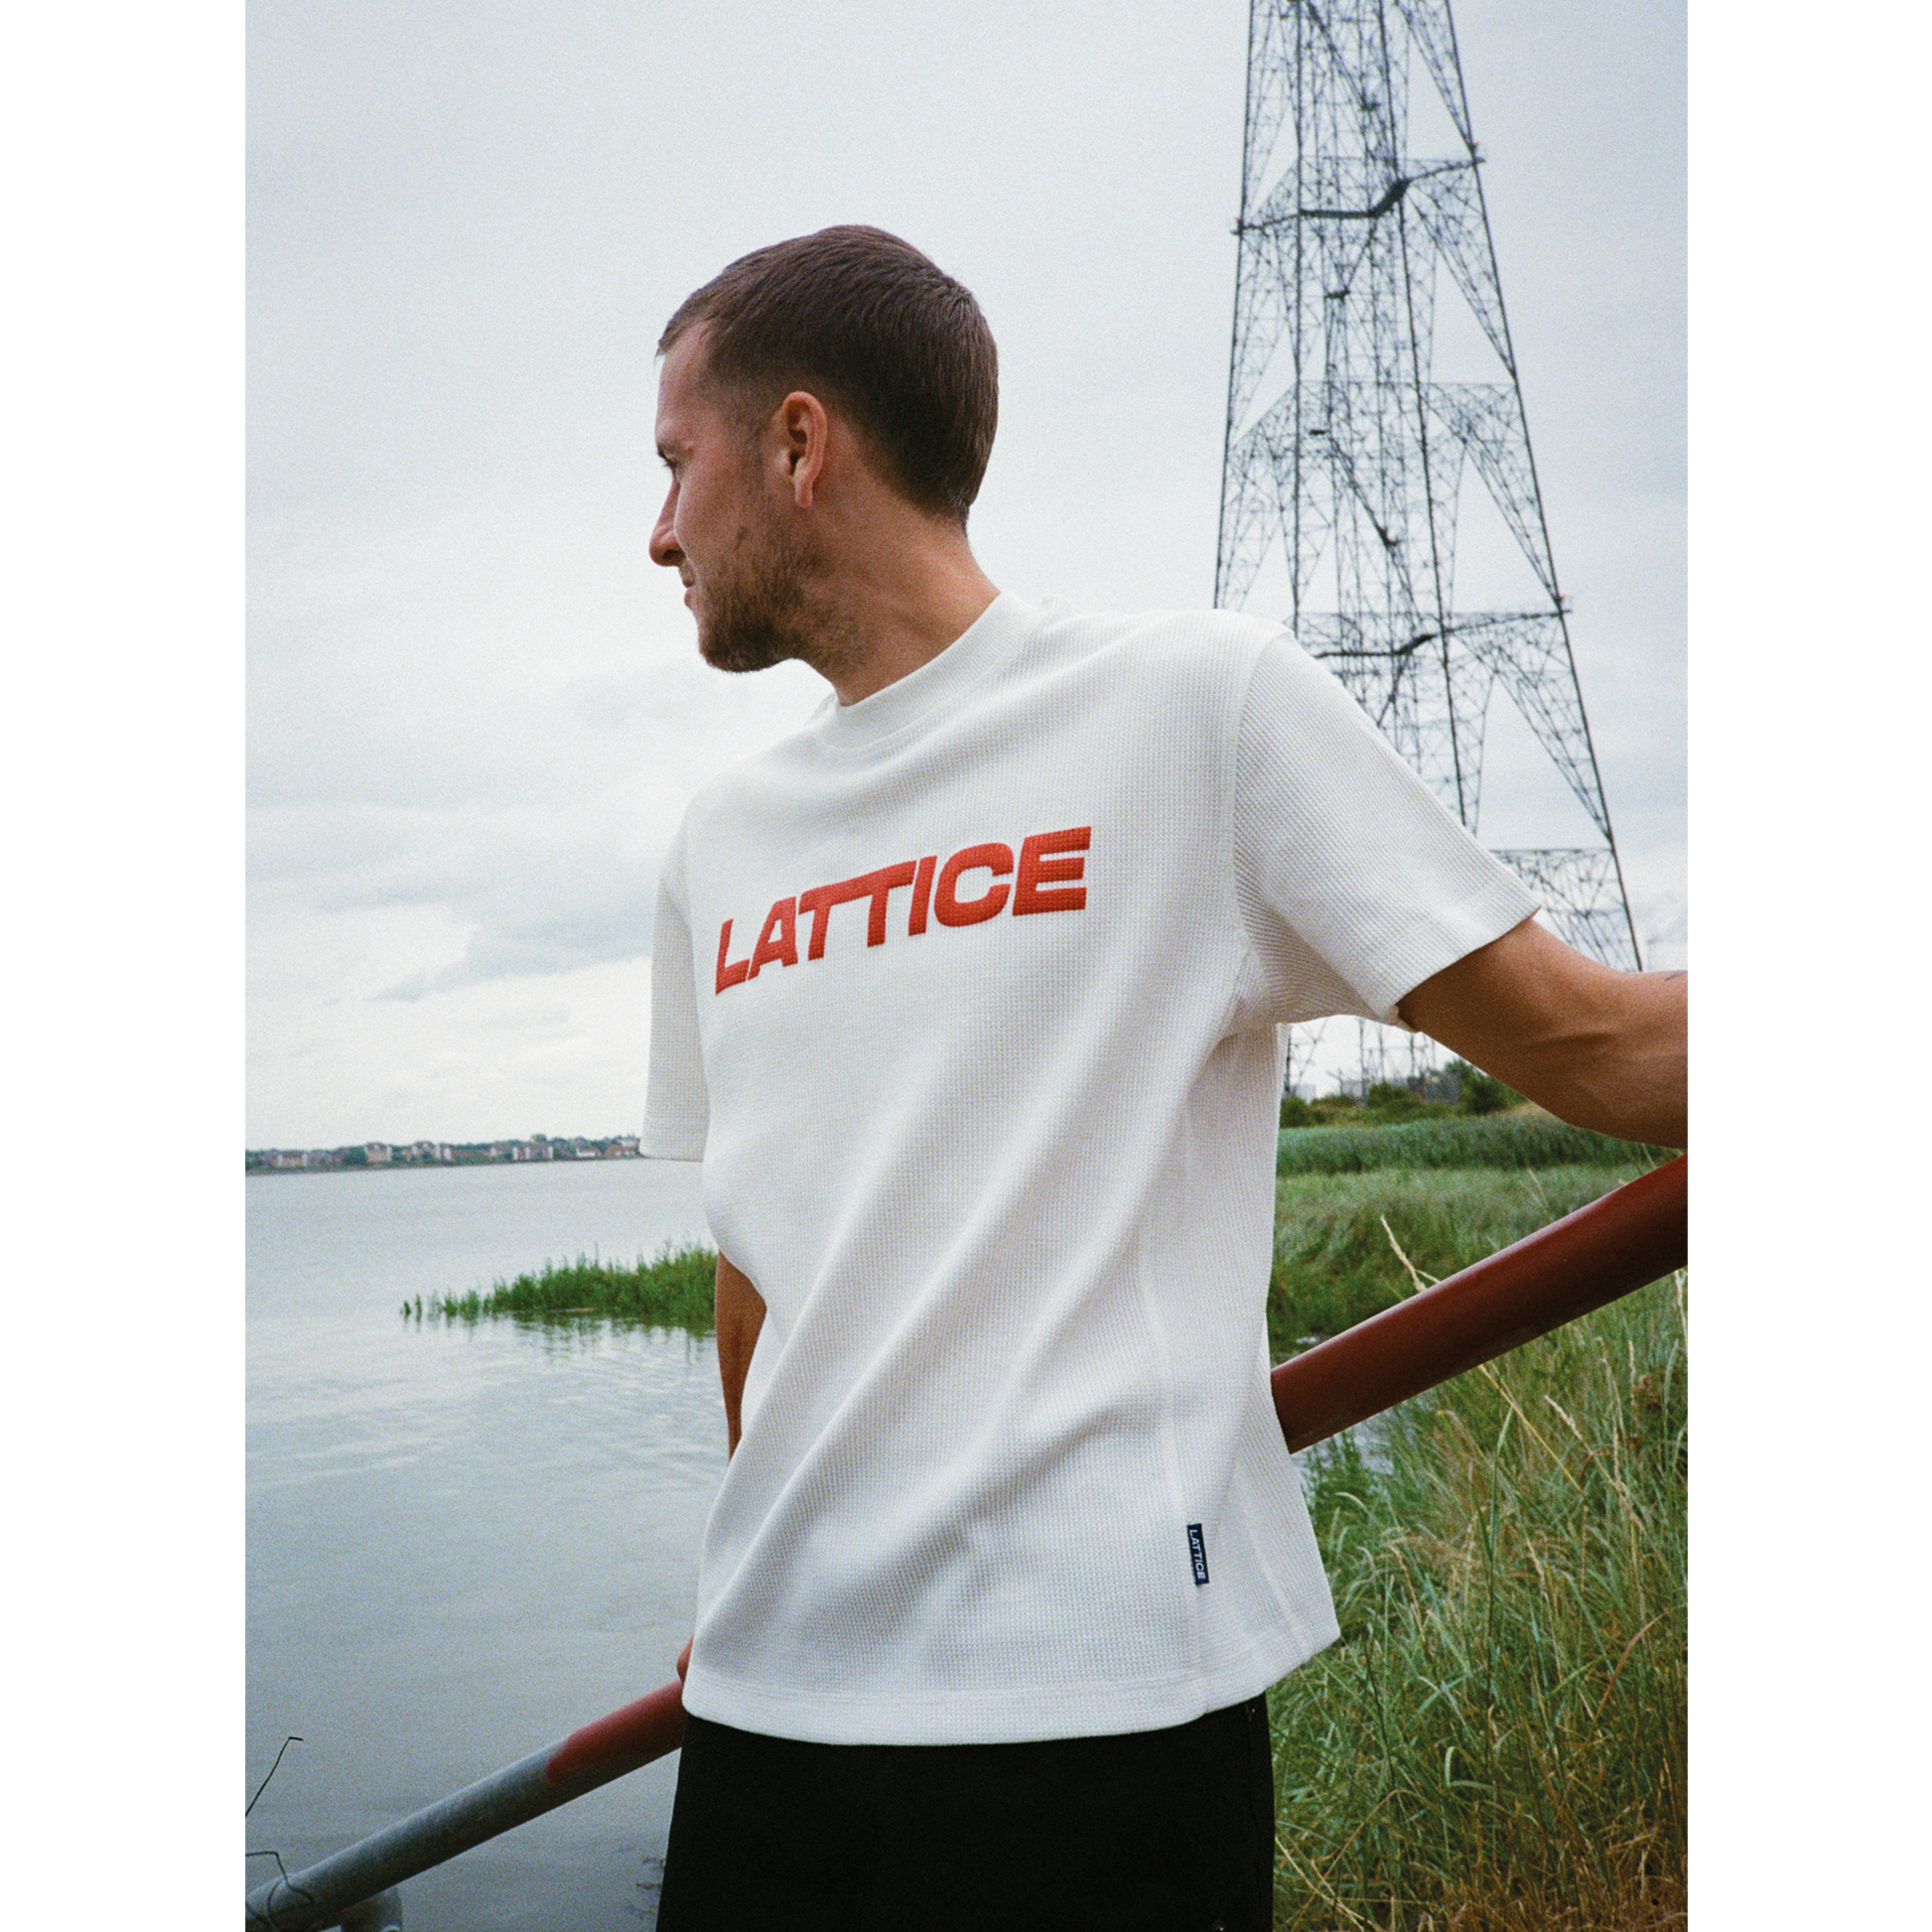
(1197, 1550)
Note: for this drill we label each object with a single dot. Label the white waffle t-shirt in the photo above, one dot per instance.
(968, 996)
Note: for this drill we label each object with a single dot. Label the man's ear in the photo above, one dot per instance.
(804, 433)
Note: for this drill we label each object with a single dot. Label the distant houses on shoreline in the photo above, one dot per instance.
(442, 1154)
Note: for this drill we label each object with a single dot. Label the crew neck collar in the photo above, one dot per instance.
(920, 695)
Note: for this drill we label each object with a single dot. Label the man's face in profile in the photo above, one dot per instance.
(721, 528)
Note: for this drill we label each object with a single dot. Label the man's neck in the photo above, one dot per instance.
(897, 601)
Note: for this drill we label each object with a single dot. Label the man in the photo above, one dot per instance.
(968, 996)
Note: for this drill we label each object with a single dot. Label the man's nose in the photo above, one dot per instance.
(664, 539)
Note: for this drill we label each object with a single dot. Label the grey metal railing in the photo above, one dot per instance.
(323, 1893)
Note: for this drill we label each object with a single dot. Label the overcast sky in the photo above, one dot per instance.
(476, 708)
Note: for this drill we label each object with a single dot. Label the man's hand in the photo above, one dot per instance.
(1599, 1048)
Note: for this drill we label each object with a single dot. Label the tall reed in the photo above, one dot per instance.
(671, 1291)
(1497, 1743)
(1527, 1139)
(1333, 1262)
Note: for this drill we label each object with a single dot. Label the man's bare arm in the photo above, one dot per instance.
(1598, 1047)
(740, 1310)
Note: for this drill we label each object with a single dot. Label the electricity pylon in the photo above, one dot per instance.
(1346, 457)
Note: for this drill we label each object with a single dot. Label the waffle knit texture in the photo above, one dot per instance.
(968, 996)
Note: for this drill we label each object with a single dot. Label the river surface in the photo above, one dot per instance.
(465, 1541)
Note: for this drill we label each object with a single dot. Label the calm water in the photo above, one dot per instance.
(462, 1543)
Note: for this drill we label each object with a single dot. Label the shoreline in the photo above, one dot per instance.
(443, 1155)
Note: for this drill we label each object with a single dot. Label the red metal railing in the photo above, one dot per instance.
(1631, 1236)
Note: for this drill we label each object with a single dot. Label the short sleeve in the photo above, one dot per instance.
(677, 1114)
(1355, 884)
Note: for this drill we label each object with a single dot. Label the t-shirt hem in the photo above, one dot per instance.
(1012, 1714)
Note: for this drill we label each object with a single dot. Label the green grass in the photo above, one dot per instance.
(672, 1291)
(1334, 1264)
(1527, 1139)
(1497, 1743)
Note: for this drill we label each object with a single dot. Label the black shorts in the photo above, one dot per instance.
(1158, 1831)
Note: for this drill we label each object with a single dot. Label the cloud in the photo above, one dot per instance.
(560, 1055)
(534, 890)
(475, 712)
(513, 949)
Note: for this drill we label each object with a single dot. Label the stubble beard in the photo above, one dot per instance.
(763, 612)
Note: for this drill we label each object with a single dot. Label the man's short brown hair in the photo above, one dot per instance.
(863, 320)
